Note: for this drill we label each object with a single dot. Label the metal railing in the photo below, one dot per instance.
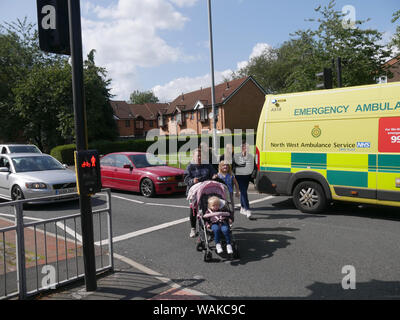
(47, 253)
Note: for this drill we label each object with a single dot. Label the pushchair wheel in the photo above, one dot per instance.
(200, 246)
(236, 254)
(207, 256)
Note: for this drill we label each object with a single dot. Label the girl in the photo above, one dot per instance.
(226, 175)
(219, 223)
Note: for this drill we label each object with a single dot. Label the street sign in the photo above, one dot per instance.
(53, 25)
(87, 167)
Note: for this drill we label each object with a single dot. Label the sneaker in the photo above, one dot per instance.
(248, 214)
(192, 233)
(229, 249)
(219, 248)
(242, 210)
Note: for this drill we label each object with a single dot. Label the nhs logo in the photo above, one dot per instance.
(363, 144)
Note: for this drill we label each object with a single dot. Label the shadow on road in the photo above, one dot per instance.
(336, 208)
(372, 290)
(256, 244)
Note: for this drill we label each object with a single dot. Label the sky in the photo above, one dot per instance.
(163, 45)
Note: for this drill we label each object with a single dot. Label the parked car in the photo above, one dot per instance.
(33, 175)
(140, 172)
(19, 148)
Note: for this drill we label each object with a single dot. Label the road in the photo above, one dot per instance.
(284, 254)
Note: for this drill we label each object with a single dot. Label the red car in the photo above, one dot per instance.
(140, 172)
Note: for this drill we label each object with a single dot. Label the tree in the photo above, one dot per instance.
(99, 113)
(142, 97)
(360, 48)
(395, 43)
(36, 92)
(292, 66)
(17, 57)
(43, 101)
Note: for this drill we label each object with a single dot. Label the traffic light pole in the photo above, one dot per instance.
(214, 128)
(339, 71)
(81, 139)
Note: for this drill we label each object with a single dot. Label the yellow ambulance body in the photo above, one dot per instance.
(325, 145)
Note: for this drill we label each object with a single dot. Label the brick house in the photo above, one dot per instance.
(135, 120)
(238, 105)
(393, 66)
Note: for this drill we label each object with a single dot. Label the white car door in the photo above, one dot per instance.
(5, 178)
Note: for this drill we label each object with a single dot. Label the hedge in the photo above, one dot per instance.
(65, 153)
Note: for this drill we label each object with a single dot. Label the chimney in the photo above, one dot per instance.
(183, 97)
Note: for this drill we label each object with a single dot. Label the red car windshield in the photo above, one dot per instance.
(146, 160)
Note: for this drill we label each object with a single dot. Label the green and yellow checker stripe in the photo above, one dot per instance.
(370, 171)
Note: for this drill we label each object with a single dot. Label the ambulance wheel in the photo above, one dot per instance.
(309, 197)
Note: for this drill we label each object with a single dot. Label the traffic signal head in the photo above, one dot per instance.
(53, 24)
(87, 167)
(326, 78)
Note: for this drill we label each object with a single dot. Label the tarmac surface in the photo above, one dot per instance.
(128, 282)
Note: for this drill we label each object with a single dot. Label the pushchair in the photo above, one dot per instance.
(198, 196)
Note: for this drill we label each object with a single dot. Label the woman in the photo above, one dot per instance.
(243, 171)
(197, 172)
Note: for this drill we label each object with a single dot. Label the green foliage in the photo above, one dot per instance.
(42, 99)
(99, 113)
(64, 153)
(292, 66)
(36, 92)
(395, 43)
(138, 97)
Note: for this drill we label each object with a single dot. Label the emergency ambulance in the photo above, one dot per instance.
(327, 145)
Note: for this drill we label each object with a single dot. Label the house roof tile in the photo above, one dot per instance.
(147, 111)
(187, 101)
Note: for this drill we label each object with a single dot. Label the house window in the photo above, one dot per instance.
(151, 123)
(203, 115)
(127, 123)
(160, 121)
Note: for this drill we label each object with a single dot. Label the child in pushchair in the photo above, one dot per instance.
(214, 206)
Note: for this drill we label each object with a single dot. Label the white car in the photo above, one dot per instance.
(34, 175)
(19, 148)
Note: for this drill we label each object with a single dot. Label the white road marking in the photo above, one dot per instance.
(8, 215)
(167, 205)
(144, 231)
(258, 200)
(71, 232)
(141, 232)
(136, 201)
(61, 225)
